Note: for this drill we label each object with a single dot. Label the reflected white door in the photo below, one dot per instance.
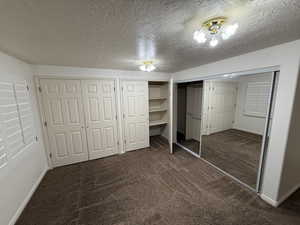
(136, 114)
(193, 112)
(221, 105)
(65, 121)
(101, 117)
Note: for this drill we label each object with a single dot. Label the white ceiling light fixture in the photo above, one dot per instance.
(214, 42)
(147, 66)
(199, 36)
(215, 29)
(229, 31)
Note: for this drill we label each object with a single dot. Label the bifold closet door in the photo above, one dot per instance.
(136, 114)
(64, 115)
(101, 117)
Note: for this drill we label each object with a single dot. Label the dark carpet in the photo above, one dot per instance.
(150, 187)
(234, 151)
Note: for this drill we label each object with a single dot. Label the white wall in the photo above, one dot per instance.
(21, 174)
(45, 71)
(286, 56)
(290, 180)
(245, 122)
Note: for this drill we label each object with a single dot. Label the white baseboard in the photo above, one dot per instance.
(269, 200)
(249, 131)
(282, 199)
(26, 200)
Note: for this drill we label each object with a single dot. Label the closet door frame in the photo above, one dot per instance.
(42, 120)
(43, 116)
(264, 149)
(266, 133)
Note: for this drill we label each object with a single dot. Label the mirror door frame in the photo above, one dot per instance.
(266, 135)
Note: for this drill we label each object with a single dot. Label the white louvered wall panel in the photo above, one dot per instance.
(11, 122)
(25, 111)
(16, 120)
(3, 156)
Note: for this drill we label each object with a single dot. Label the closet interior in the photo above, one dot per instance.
(159, 108)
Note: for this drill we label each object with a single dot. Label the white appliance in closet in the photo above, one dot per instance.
(135, 114)
(80, 119)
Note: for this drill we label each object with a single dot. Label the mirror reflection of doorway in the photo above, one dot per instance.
(189, 108)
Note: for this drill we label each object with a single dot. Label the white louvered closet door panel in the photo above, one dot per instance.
(101, 117)
(65, 121)
(12, 132)
(136, 114)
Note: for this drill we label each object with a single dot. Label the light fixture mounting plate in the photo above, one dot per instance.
(214, 24)
(148, 62)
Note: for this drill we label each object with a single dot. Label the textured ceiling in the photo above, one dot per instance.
(117, 34)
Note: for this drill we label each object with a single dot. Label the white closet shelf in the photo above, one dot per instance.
(157, 98)
(157, 110)
(157, 123)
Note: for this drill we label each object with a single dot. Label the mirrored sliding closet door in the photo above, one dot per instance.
(236, 114)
